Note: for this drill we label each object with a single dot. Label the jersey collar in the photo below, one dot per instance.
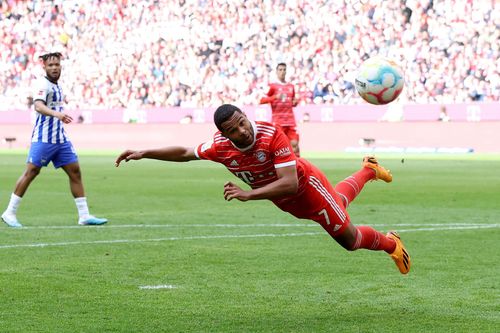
(48, 79)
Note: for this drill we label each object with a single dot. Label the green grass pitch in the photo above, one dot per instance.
(175, 257)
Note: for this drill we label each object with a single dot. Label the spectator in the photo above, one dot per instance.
(116, 49)
(443, 114)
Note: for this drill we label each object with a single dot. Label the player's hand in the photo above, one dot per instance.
(232, 191)
(65, 118)
(128, 155)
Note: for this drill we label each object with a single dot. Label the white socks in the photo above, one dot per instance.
(83, 209)
(13, 204)
(81, 205)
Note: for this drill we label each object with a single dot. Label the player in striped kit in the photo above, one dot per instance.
(281, 96)
(261, 155)
(49, 143)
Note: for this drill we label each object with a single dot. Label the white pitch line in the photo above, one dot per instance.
(118, 241)
(160, 286)
(279, 225)
(477, 226)
(171, 226)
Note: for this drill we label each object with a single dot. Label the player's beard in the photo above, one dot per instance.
(55, 77)
(246, 141)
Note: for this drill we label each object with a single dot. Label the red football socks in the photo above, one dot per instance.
(371, 239)
(349, 188)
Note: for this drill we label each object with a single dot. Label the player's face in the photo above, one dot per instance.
(52, 67)
(239, 130)
(281, 72)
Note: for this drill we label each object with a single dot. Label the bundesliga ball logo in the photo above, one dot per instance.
(379, 81)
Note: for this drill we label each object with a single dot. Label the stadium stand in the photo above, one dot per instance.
(205, 52)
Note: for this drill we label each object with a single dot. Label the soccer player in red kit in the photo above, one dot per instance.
(281, 96)
(261, 155)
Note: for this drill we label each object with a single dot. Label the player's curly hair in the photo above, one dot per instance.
(47, 56)
(223, 113)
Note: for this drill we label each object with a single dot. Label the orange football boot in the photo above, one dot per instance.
(400, 255)
(380, 171)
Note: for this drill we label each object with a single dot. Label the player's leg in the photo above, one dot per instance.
(29, 174)
(75, 179)
(334, 219)
(353, 238)
(364, 237)
(68, 161)
(76, 185)
(39, 155)
(350, 187)
(22, 184)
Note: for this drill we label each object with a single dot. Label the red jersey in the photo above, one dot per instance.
(257, 164)
(282, 105)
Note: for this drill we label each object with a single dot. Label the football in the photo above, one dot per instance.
(379, 81)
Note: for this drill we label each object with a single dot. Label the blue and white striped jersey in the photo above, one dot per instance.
(48, 129)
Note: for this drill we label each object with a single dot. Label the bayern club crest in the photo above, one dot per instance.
(260, 156)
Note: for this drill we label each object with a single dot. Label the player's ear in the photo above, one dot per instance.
(223, 133)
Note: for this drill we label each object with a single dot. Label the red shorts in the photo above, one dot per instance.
(290, 132)
(318, 202)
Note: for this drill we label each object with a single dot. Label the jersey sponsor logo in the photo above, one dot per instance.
(246, 176)
(206, 145)
(234, 163)
(282, 152)
(260, 156)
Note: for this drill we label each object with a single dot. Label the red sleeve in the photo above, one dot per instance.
(282, 150)
(269, 97)
(207, 151)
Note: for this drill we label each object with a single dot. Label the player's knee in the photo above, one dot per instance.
(76, 175)
(348, 239)
(32, 172)
(349, 246)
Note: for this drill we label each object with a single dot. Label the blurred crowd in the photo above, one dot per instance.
(199, 53)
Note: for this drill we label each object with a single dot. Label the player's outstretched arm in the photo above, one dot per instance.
(173, 154)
